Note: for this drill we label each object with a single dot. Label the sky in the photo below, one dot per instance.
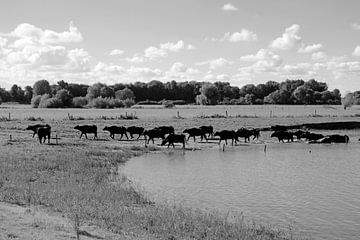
(123, 41)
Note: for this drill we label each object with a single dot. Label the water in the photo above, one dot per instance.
(313, 188)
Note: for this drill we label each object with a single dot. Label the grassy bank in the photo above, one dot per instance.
(80, 179)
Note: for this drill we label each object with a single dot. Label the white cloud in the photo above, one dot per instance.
(355, 26)
(219, 77)
(298, 70)
(115, 52)
(356, 51)
(243, 35)
(215, 63)
(319, 56)
(152, 53)
(265, 61)
(30, 33)
(3, 42)
(229, 7)
(310, 48)
(288, 40)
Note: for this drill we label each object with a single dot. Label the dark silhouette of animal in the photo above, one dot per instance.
(336, 138)
(225, 135)
(154, 133)
(135, 130)
(35, 127)
(43, 133)
(281, 135)
(193, 132)
(166, 129)
(84, 129)
(116, 130)
(278, 128)
(208, 130)
(255, 133)
(174, 138)
(300, 134)
(309, 136)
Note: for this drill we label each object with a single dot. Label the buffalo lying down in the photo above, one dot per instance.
(174, 138)
(43, 133)
(336, 138)
(84, 129)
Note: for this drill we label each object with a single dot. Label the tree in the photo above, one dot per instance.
(28, 94)
(17, 94)
(64, 96)
(211, 93)
(316, 86)
(107, 92)
(125, 93)
(280, 96)
(41, 87)
(94, 90)
(303, 95)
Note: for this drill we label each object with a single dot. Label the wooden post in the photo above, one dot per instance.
(223, 148)
(265, 148)
(178, 114)
(10, 138)
(270, 113)
(226, 113)
(126, 114)
(9, 117)
(56, 139)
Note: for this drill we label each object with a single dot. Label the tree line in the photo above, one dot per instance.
(99, 95)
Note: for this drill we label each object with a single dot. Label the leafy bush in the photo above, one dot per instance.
(100, 102)
(51, 103)
(116, 103)
(35, 101)
(129, 102)
(147, 102)
(168, 104)
(79, 102)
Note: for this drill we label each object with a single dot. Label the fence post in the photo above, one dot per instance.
(9, 117)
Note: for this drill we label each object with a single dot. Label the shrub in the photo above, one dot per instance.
(98, 102)
(129, 102)
(116, 103)
(179, 102)
(147, 102)
(51, 103)
(168, 104)
(79, 102)
(35, 101)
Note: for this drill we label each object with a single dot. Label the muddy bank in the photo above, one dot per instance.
(348, 125)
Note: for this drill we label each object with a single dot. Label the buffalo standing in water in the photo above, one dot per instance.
(174, 138)
(154, 133)
(247, 133)
(193, 132)
(225, 135)
(281, 135)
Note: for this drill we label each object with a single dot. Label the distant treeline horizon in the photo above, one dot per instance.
(100, 95)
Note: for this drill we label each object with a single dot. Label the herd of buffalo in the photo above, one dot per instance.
(169, 137)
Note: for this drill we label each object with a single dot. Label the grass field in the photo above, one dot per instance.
(80, 178)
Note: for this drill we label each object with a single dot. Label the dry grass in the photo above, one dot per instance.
(81, 179)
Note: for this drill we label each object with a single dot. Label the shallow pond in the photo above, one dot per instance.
(311, 187)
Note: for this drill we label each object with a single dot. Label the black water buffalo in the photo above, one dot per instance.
(166, 129)
(43, 133)
(174, 138)
(116, 130)
(281, 135)
(300, 134)
(255, 133)
(35, 127)
(135, 130)
(154, 133)
(84, 129)
(279, 128)
(312, 136)
(193, 132)
(208, 130)
(247, 133)
(225, 135)
(336, 138)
